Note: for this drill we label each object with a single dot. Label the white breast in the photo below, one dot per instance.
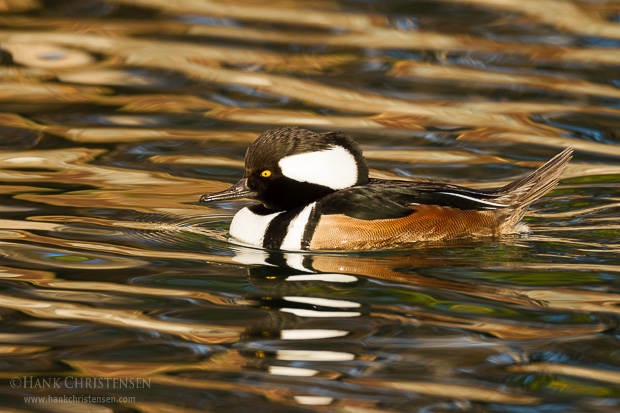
(249, 227)
(296, 228)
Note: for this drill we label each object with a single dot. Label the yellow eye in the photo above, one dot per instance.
(265, 174)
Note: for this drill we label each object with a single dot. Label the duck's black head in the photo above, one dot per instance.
(289, 167)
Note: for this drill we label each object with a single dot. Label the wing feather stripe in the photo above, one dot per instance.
(477, 200)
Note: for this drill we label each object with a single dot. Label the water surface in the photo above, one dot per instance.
(120, 293)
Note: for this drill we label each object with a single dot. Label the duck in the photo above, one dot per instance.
(312, 191)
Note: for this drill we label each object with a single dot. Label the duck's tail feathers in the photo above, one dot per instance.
(522, 192)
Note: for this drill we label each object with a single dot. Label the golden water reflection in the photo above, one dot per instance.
(115, 116)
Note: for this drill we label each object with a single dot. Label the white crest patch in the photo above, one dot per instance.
(296, 228)
(334, 168)
(249, 227)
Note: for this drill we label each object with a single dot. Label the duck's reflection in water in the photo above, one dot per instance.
(362, 318)
(346, 330)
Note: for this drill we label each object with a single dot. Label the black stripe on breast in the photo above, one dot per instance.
(278, 228)
(313, 221)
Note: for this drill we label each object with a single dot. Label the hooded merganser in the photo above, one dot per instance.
(314, 193)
